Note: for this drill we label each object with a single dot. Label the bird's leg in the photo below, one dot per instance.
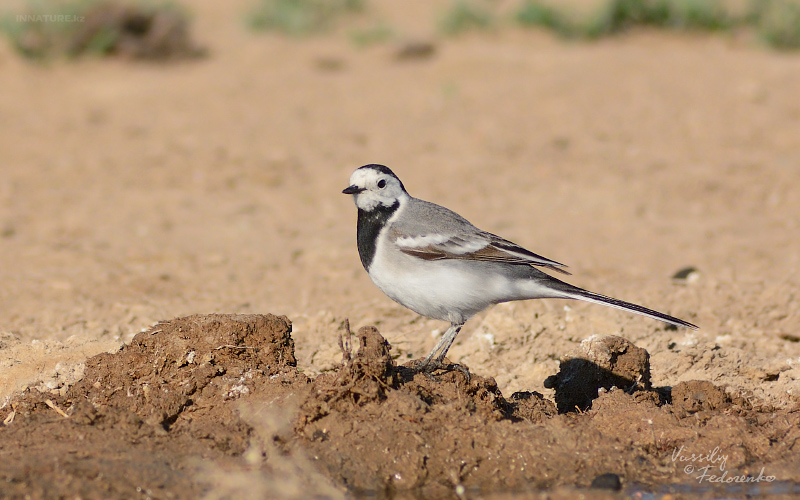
(429, 363)
(447, 340)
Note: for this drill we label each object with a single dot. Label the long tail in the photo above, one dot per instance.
(573, 292)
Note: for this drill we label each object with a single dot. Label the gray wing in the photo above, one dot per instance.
(434, 233)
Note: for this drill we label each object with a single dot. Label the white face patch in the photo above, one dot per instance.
(379, 189)
(360, 177)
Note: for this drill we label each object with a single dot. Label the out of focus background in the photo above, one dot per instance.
(159, 160)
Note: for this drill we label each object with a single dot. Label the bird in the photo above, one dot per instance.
(438, 264)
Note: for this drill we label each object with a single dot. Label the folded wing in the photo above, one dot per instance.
(479, 246)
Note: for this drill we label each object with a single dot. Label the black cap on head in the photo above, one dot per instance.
(384, 170)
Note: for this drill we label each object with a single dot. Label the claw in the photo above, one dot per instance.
(427, 367)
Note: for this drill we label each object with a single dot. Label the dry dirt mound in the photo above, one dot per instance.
(139, 416)
(379, 427)
(148, 420)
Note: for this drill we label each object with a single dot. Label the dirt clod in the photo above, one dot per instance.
(699, 395)
(139, 415)
(176, 373)
(599, 363)
(531, 406)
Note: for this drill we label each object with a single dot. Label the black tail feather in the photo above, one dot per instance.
(581, 294)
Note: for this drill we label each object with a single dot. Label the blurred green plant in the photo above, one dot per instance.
(301, 17)
(615, 16)
(777, 22)
(705, 15)
(466, 15)
(536, 14)
(133, 28)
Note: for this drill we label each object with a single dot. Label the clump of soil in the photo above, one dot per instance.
(176, 375)
(113, 28)
(138, 416)
(142, 419)
(598, 363)
(699, 395)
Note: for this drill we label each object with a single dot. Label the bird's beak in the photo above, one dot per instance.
(353, 190)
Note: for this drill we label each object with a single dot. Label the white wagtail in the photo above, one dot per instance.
(436, 263)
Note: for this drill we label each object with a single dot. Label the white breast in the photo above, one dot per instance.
(449, 290)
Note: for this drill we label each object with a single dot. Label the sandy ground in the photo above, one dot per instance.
(132, 193)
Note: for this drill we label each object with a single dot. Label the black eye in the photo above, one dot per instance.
(381, 183)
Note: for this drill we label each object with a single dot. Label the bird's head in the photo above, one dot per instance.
(373, 186)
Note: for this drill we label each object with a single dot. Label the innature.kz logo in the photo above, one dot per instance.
(49, 18)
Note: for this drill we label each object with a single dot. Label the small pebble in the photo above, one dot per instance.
(607, 481)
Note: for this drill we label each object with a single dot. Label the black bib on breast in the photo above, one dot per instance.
(369, 226)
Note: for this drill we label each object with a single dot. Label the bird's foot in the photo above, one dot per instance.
(429, 366)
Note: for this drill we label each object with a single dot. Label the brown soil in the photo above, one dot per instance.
(202, 393)
(131, 193)
(146, 418)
